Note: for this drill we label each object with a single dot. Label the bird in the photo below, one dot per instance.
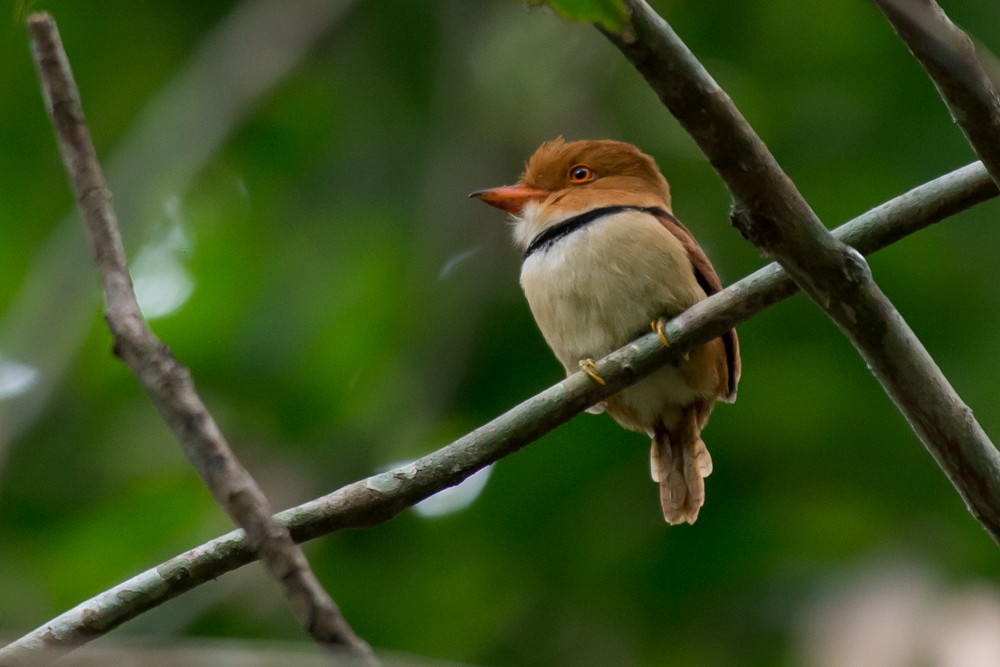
(605, 260)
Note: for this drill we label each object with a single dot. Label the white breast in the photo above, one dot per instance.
(599, 287)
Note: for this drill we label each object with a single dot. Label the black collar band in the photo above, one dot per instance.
(544, 240)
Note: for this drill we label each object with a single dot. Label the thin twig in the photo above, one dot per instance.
(772, 213)
(167, 382)
(949, 57)
(241, 59)
(377, 499)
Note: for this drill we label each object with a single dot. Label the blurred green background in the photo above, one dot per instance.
(292, 180)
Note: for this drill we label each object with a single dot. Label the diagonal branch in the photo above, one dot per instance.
(166, 381)
(949, 57)
(241, 59)
(772, 213)
(377, 499)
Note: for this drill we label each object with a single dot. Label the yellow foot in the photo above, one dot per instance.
(657, 326)
(590, 368)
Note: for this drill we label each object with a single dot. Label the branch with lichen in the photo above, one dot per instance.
(948, 56)
(376, 499)
(770, 212)
(167, 383)
(773, 215)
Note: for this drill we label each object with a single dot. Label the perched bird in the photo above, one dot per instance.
(604, 259)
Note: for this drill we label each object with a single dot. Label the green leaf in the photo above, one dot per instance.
(609, 14)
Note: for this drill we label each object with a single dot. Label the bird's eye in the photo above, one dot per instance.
(580, 173)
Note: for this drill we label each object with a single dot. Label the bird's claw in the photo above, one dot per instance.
(657, 326)
(589, 367)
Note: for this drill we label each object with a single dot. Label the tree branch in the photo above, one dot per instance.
(771, 212)
(239, 61)
(378, 498)
(949, 57)
(167, 382)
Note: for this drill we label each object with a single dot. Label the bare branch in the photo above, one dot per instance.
(243, 57)
(773, 215)
(377, 499)
(167, 382)
(949, 57)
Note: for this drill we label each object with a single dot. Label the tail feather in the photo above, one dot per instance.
(680, 465)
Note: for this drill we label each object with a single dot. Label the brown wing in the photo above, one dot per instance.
(709, 281)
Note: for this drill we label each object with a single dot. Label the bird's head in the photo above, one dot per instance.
(564, 178)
